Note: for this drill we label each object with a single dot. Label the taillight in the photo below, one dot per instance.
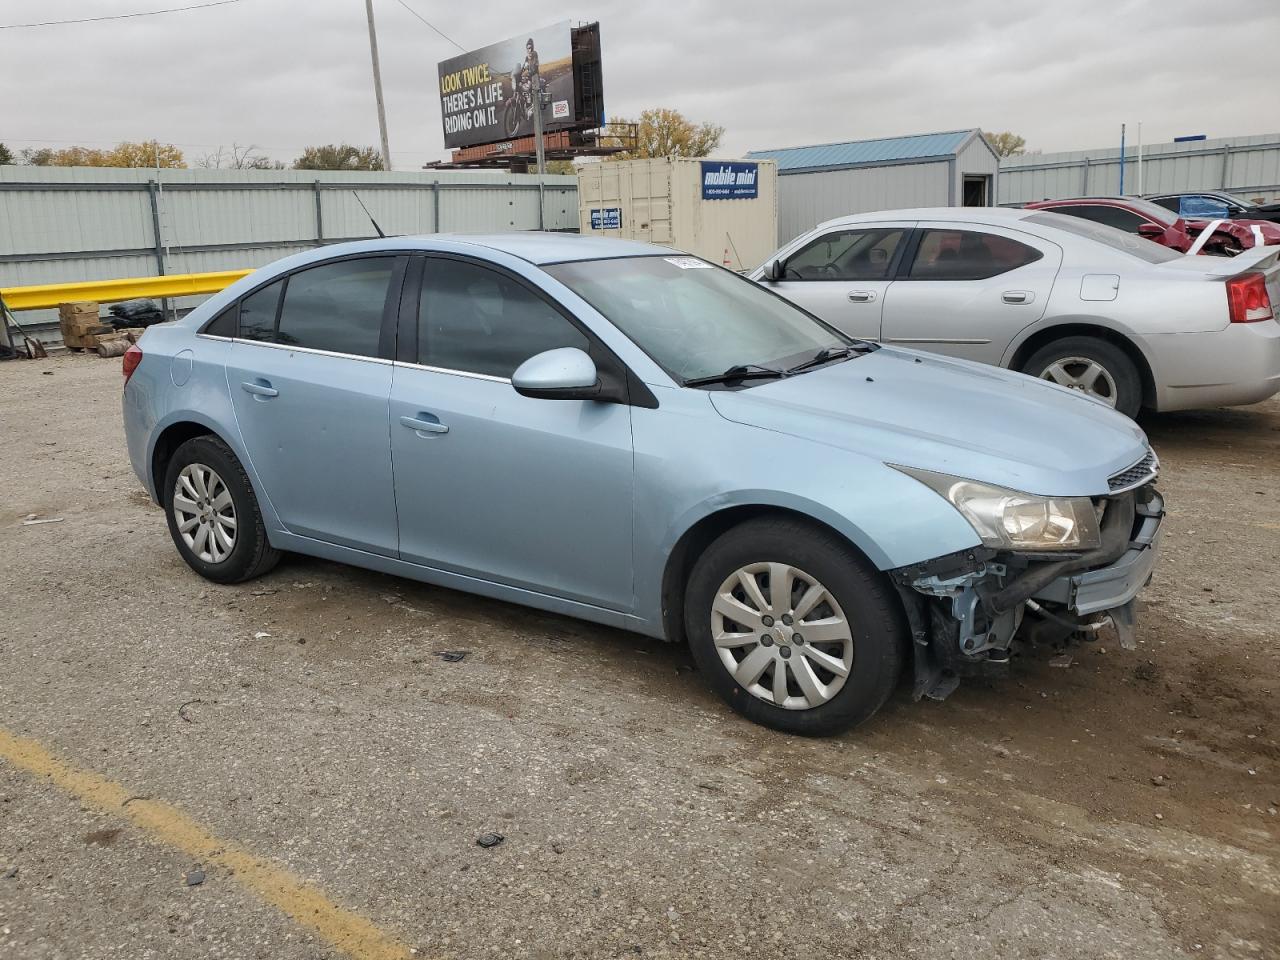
(1247, 298)
(132, 357)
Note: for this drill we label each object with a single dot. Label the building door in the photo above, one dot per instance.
(977, 190)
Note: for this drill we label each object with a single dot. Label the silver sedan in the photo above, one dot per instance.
(1124, 320)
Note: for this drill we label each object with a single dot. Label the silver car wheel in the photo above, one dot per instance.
(782, 635)
(1085, 375)
(205, 513)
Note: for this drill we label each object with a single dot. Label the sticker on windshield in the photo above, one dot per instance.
(688, 263)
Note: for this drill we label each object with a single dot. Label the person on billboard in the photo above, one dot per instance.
(526, 85)
(527, 69)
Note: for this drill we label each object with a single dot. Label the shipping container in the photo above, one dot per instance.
(725, 211)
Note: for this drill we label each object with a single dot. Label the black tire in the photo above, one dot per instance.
(252, 554)
(872, 609)
(1123, 373)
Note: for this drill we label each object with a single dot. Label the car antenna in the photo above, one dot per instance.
(368, 214)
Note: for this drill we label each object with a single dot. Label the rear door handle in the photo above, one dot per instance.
(1017, 296)
(424, 423)
(862, 296)
(259, 388)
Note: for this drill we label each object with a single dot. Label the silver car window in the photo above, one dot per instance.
(845, 255)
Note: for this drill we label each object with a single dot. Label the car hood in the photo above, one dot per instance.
(952, 416)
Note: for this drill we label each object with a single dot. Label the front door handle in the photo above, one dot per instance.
(862, 296)
(424, 423)
(260, 388)
(1017, 296)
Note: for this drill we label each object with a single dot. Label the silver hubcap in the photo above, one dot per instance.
(1087, 376)
(782, 635)
(205, 513)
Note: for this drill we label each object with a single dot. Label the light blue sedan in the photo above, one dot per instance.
(621, 433)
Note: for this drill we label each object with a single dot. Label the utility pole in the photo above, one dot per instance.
(377, 86)
(539, 147)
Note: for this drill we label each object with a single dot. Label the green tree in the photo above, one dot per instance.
(148, 153)
(334, 156)
(6, 155)
(661, 132)
(1006, 143)
(561, 166)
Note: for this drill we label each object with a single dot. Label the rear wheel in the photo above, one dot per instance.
(1092, 366)
(792, 627)
(213, 514)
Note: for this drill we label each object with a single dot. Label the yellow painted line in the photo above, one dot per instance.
(110, 291)
(307, 906)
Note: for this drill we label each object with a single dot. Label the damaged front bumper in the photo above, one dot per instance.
(967, 610)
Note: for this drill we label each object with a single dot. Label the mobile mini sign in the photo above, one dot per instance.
(729, 181)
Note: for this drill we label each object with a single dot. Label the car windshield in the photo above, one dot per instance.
(695, 319)
(1130, 243)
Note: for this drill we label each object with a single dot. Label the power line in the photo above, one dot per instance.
(432, 26)
(118, 16)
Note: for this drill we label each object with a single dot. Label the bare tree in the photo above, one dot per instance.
(238, 158)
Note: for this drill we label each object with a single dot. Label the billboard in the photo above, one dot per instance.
(490, 94)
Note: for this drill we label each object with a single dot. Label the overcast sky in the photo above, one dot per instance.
(283, 74)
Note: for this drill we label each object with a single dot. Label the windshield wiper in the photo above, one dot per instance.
(741, 371)
(827, 354)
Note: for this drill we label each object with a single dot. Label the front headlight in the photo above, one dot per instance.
(1010, 520)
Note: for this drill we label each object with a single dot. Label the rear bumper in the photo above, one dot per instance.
(1237, 365)
(1093, 591)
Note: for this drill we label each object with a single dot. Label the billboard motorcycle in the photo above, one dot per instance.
(490, 94)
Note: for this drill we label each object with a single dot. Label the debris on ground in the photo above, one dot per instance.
(33, 519)
(1062, 660)
(10, 874)
(261, 635)
(1160, 780)
(194, 877)
(489, 839)
(182, 710)
(453, 656)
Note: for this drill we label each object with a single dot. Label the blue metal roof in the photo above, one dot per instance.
(858, 152)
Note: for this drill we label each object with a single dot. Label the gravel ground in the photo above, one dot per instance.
(1122, 807)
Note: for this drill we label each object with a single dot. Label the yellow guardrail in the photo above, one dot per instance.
(111, 291)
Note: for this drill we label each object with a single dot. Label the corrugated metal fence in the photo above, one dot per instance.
(1249, 166)
(61, 224)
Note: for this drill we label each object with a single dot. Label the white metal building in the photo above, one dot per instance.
(1248, 166)
(955, 168)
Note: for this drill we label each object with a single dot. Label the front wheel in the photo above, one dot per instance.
(511, 117)
(213, 513)
(1092, 366)
(792, 628)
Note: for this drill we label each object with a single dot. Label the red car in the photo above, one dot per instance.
(1156, 223)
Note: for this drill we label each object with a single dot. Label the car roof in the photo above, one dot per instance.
(989, 215)
(535, 247)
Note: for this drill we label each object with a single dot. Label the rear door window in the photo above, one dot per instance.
(846, 255)
(476, 320)
(336, 307)
(967, 255)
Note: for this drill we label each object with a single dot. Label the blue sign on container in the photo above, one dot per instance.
(609, 218)
(729, 181)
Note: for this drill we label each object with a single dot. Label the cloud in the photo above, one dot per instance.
(288, 73)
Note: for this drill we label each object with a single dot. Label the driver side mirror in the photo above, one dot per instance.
(565, 373)
(1152, 231)
(774, 270)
